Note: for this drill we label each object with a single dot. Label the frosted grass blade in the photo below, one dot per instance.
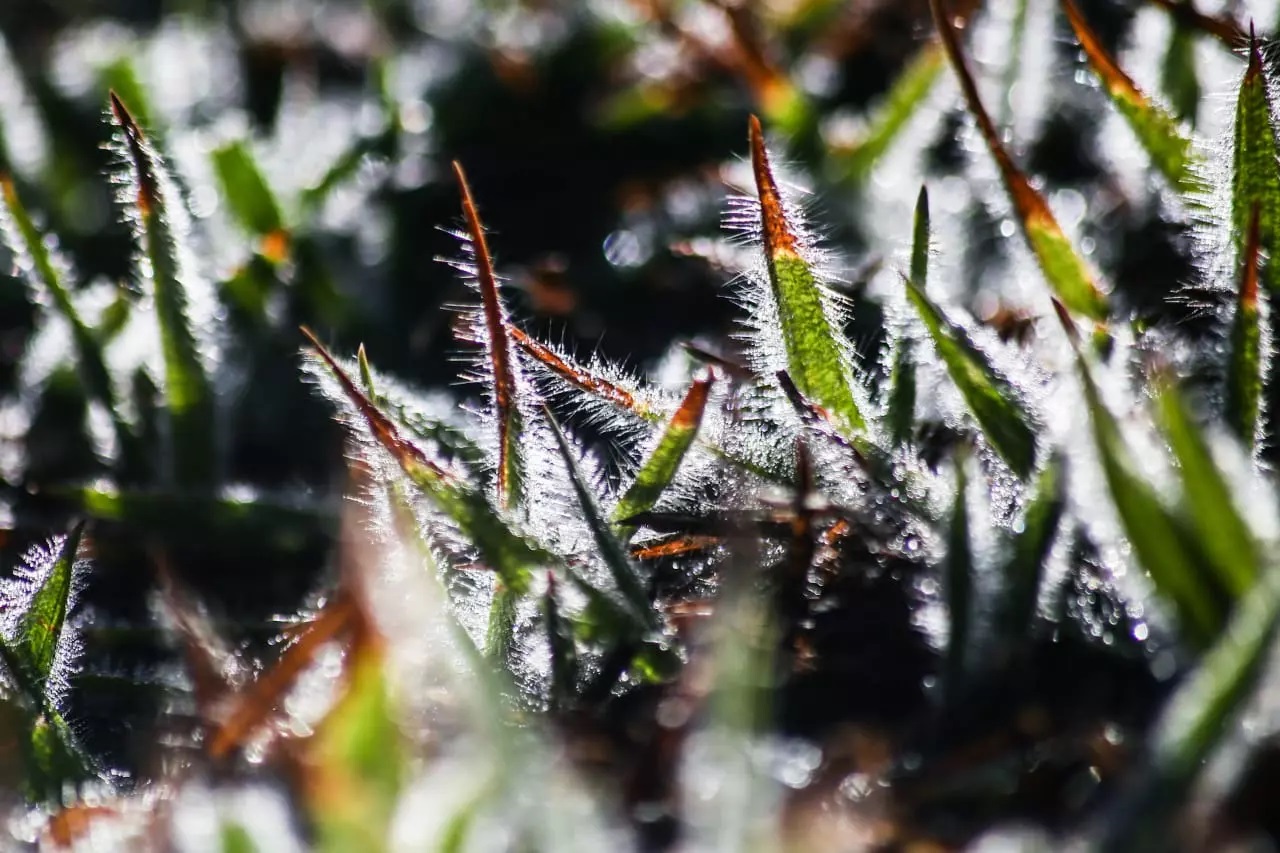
(901, 411)
(816, 359)
(1255, 179)
(1242, 398)
(1179, 77)
(40, 628)
(187, 391)
(1169, 148)
(1004, 421)
(1029, 549)
(660, 468)
(1067, 273)
(959, 589)
(900, 103)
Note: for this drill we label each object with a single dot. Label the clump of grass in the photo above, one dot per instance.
(592, 611)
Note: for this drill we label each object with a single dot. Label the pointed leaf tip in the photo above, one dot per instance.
(778, 237)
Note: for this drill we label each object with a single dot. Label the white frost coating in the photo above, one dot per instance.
(200, 815)
(16, 595)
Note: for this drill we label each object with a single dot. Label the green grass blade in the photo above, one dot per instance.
(503, 549)
(611, 549)
(187, 389)
(1255, 178)
(1242, 400)
(564, 655)
(902, 101)
(1226, 538)
(1168, 146)
(1065, 270)
(1030, 548)
(1179, 77)
(959, 590)
(32, 250)
(660, 468)
(901, 410)
(40, 627)
(1002, 417)
(1202, 711)
(816, 359)
(1155, 534)
(249, 197)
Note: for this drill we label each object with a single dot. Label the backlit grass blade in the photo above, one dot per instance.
(32, 249)
(900, 103)
(1205, 708)
(250, 200)
(504, 550)
(1255, 178)
(187, 391)
(1168, 146)
(611, 549)
(40, 628)
(959, 588)
(1242, 400)
(1067, 273)
(816, 359)
(1224, 535)
(1221, 27)
(660, 468)
(1179, 77)
(564, 655)
(900, 413)
(1029, 549)
(1155, 534)
(992, 400)
(506, 411)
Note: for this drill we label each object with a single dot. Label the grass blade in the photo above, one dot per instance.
(1202, 711)
(1067, 273)
(187, 390)
(1255, 179)
(959, 590)
(1227, 540)
(611, 549)
(502, 367)
(901, 410)
(504, 550)
(1242, 403)
(249, 197)
(40, 627)
(32, 250)
(1030, 549)
(1169, 148)
(816, 359)
(1222, 28)
(564, 655)
(660, 468)
(1178, 75)
(1004, 421)
(900, 103)
(1155, 534)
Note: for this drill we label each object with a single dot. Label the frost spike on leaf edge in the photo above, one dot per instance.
(507, 413)
(1067, 273)
(187, 391)
(660, 468)
(815, 358)
(1158, 131)
(1242, 404)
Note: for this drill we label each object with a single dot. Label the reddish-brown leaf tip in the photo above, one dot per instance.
(695, 401)
(778, 238)
(1254, 69)
(135, 141)
(1064, 318)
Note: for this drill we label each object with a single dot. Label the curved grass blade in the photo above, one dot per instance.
(1155, 534)
(1067, 273)
(1242, 403)
(1226, 538)
(1004, 422)
(902, 101)
(901, 411)
(1179, 77)
(1169, 148)
(1030, 548)
(611, 549)
(660, 468)
(959, 590)
(1255, 179)
(250, 199)
(26, 242)
(1202, 711)
(505, 551)
(815, 358)
(40, 628)
(187, 390)
(502, 367)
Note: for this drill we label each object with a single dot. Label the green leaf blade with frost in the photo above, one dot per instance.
(249, 198)
(1005, 422)
(815, 357)
(39, 629)
(1227, 540)
(1255, 178)
(504, 550)
(26, 242)
(1168, 147)
(1065, 270)
(959, 589)
(1200, 715)
(1242, 400)
(1024, 569)
(188, 392)
(664, 461)
(900, 413)
(903, 100)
